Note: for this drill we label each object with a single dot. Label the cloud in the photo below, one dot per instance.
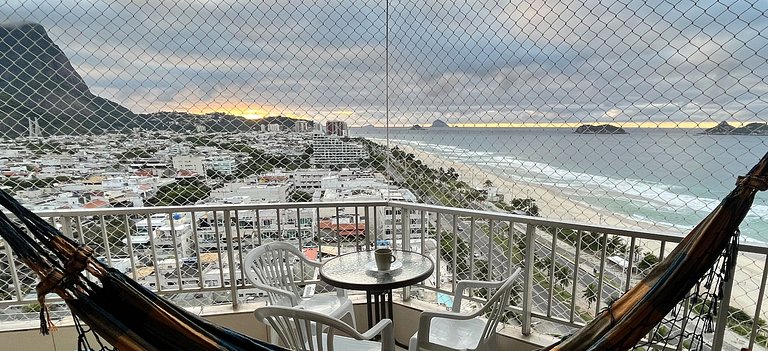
(474, 61)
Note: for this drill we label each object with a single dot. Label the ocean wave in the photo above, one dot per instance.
(631, 196)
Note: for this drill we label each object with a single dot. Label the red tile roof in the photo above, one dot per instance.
(344, 228)
(97, 203)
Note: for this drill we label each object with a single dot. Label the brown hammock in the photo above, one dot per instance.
(639, 310)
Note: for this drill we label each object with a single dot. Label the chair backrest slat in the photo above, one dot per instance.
(273, 265)
(496, 307)
(305, 330)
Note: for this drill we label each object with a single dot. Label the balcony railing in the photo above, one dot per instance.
(571, 271)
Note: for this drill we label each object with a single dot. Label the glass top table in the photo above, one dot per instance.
(355, 271)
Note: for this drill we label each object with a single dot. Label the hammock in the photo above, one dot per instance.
(124, 313)
(130, 317)
(706, 253)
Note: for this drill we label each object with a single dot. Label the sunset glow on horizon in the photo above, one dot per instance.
(259, 113)
(625, 124)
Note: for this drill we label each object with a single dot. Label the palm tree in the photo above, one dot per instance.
(562, 274)
(590, 294)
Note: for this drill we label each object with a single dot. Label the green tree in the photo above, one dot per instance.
(648, 261)
(615, 245)
(462, 250)
(137, 153)
(180, 193)
(590, 294)
(562, 274)
(212, 173)
(300, 196)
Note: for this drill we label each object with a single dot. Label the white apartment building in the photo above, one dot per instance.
(249, 224)
(255, 192)
(226, 165)
(274, 127)
(176, 239)
(189, 163)
(403, 219)
(310, 178)
(170, 238)
(301, 126)
(387, 220)
(330, 151)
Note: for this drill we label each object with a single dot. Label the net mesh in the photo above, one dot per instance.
(475, 104)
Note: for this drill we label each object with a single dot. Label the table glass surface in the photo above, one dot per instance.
(349, 271)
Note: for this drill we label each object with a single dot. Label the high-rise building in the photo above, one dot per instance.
(300, 126)
(34, 127)
(331, 151)
(338, 128)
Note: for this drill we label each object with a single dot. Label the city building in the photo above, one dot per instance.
(332, 152)
(225, 164)
(189, 163)
(301, 126)
(338, 128)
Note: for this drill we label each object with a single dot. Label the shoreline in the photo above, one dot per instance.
(749, 266)
(546, 197)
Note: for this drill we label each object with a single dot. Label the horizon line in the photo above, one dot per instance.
(635, 125)
(261, 114)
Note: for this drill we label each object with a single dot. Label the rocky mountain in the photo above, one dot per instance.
(721, 128)
(41, 92)
(599, 129)
(439, 124)
(724, 128)
(38, 83)
(212, 122)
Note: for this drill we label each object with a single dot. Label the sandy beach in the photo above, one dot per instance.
(553, 203)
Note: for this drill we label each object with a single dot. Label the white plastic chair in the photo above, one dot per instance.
(443, 331)
(294, 327)
(273, 268)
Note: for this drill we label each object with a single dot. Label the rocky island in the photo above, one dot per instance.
(723, 128)
(599, 129)
(417, 127)
(439, 124)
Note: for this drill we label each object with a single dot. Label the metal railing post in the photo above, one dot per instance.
(405, 216)
(722, 315)
(759, 307)
(66, 227)
(230, 259)
(530, 241)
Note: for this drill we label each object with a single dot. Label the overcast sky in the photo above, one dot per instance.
(477, 61)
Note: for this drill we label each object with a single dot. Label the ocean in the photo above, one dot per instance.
(673, 177)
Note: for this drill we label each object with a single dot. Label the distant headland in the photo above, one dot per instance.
(723, 128)
(599, 129)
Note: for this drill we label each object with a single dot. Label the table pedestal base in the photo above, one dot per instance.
(379, 304)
